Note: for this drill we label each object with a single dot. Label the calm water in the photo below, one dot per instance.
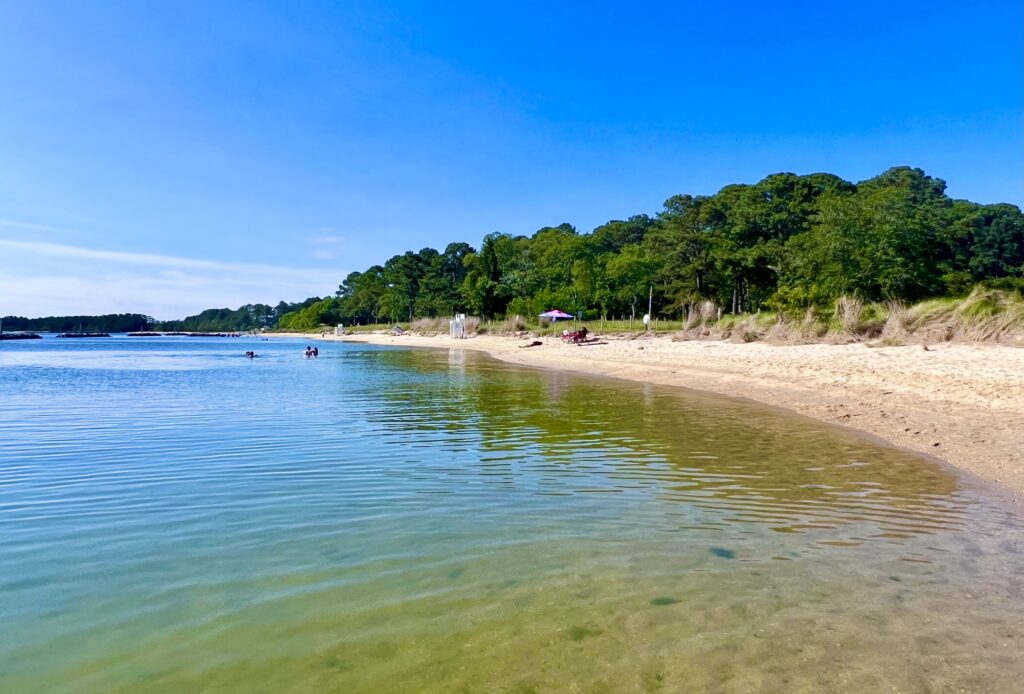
(174, 517)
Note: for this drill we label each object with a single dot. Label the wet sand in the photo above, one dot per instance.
(961, 403)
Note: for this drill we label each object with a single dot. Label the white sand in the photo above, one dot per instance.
(961, 403)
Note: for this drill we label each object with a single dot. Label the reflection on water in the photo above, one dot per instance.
(728, 462)
(175, 518)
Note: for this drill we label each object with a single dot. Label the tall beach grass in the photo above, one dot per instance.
(985, 315)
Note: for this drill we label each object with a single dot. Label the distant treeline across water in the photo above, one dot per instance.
(784, 244)
(214, 320)
(111, 323)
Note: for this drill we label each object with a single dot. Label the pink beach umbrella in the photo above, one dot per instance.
(555, 315)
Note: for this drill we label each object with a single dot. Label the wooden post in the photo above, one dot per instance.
(650, 299)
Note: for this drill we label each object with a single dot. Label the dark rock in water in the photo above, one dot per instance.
(84, 335)
(723, 553)
(20, 336)
(338, 664)
(578, 633)
(664, 600)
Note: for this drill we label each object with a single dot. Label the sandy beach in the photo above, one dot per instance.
(961, 403)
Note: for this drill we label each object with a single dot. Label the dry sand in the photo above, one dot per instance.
(961, 403)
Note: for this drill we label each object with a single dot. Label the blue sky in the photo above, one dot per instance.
(170, 157)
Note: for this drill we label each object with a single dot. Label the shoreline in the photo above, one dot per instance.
(960, 403)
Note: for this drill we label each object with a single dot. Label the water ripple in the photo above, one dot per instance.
(162, 486)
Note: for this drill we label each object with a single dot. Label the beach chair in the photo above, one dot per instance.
(575, 336)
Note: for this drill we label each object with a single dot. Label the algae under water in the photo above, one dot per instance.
(174, 517)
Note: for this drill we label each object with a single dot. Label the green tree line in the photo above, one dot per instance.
(785, 243)
(248, 317)
(244, 318)
(110, 323)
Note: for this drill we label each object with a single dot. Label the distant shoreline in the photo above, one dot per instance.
(962, 403)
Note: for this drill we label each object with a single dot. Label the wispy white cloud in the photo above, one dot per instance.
(156, 295)
(326, 245)
(15, 224)
(38, 278)
(60, 250)
(326, 240)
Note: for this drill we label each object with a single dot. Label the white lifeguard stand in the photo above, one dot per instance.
(339, 330)
(457, 327)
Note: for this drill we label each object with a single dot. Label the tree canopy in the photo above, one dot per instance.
(785, 243)
(248, 317)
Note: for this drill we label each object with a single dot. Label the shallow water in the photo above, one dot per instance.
(174, 517)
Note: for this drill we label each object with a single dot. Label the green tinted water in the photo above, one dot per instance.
(175, 518)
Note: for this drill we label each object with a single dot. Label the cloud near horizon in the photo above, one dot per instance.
(326, 247)
(37, 279)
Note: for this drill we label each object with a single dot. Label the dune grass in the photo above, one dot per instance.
(984, 315)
